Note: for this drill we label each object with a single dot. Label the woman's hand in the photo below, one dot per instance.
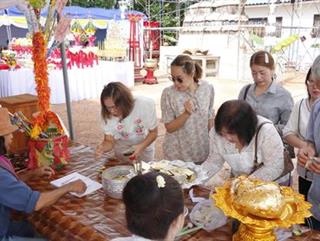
(315, 165)
(138, 149)
(305, 154)
(103, 147)
(189, 107)
(44, 171)
(77, 186)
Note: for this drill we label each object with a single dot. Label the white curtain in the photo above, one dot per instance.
(9, 3)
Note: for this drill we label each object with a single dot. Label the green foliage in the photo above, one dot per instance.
(166, 14)
(94, 3)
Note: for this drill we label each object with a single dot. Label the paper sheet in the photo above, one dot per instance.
(92, 186)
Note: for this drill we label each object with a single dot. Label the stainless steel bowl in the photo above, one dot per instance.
(114, 180)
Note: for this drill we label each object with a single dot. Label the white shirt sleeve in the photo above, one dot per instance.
(270, 153)
(151, 114)
(292, 125)
(215, 161)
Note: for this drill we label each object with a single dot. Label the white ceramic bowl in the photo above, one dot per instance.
(114, 180)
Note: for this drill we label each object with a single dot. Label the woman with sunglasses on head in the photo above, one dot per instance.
(296, 128)
(130, 124)
(187, 112)
(268, 98)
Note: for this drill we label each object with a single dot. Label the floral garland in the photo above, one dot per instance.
(41, 122)
(41, 70)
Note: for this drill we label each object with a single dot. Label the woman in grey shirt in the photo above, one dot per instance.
(267, 98)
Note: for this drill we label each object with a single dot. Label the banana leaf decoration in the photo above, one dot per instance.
(90, 29)
(45, 156)
(76, 28)
(285, 43)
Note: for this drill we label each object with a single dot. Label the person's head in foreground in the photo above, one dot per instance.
(236, 121)
(154, 206)
(116, 100)
(185, 73)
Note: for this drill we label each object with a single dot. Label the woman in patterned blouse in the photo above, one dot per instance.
(187, 112)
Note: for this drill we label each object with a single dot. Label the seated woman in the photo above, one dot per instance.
(187, 112)
(16, 195)
(154, 207)
(267, 97)
(232, 140)
(296, 129)
(130, 124)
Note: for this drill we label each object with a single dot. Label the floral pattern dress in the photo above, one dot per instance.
(190, 142)
(133, 129)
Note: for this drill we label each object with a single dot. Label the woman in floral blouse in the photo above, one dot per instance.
(187, 112)
(130, 124)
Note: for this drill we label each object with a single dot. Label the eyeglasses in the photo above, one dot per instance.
(178, 79)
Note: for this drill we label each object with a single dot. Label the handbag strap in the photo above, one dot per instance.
(299, 113)
(255, 162)
(246, 92)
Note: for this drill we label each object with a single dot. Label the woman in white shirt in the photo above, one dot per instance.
(295, 130)
(130, 124)
(232, 140)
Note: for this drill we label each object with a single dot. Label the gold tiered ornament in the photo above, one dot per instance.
(260, 207)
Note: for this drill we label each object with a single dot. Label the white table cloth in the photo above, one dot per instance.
(84, 83)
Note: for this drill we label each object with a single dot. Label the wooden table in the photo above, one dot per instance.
(98, 217)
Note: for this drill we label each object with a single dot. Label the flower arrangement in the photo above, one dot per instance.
(9, 57)
(48, 144)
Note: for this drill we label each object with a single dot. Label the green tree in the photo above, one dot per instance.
(167, 12)
(93, 3)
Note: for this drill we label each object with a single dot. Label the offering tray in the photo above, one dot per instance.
(253, 227)
(188, 174)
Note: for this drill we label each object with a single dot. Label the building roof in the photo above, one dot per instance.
(261, 2)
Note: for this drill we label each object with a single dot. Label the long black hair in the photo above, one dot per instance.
(150, 210)
(237, 117)
(3, 149)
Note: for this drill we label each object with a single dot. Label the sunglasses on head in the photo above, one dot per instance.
(178, 79)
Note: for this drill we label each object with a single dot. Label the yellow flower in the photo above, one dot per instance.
(35, 132)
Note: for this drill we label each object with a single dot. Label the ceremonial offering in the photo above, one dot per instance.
(115, 178)
(261, 199)
(187, 174)
(260, 207)
(48, 144)
(10, 58)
